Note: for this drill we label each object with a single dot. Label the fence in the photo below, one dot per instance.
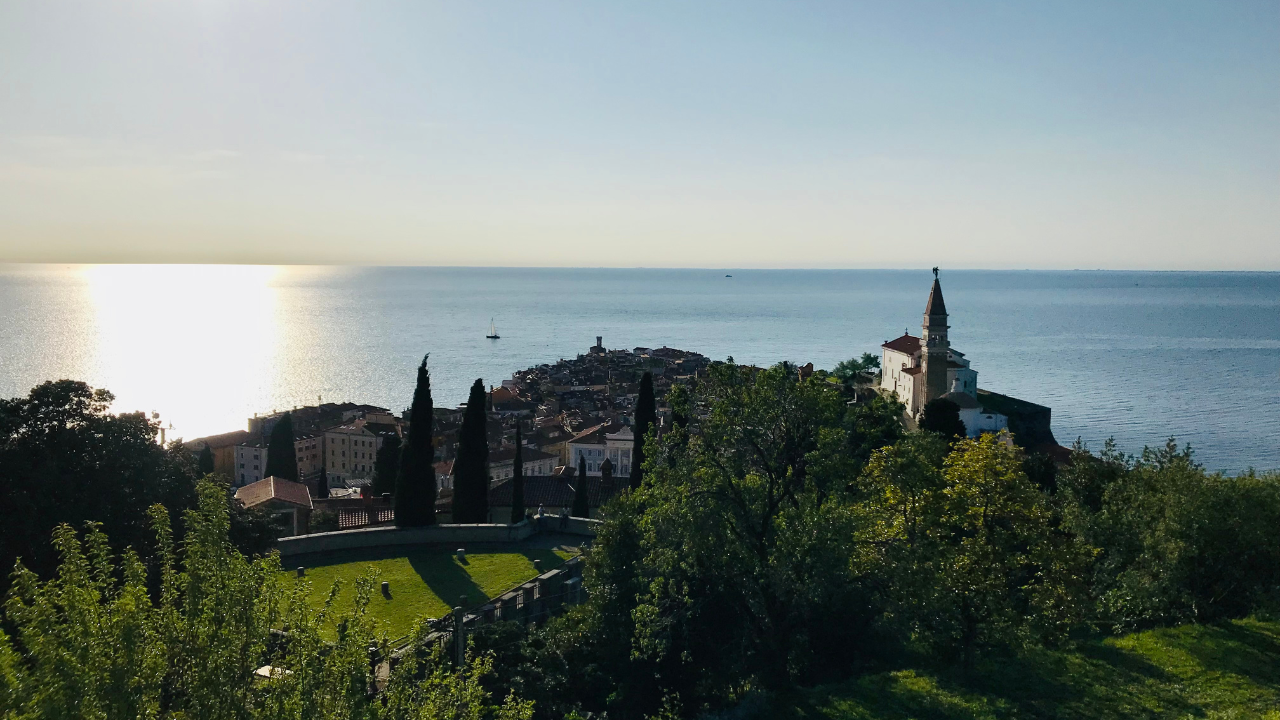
(530, 603)
(358, 512)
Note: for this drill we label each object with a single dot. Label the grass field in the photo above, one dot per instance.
(1195, 671)
(425, 582)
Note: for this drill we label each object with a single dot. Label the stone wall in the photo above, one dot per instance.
(448, 535)
(387, 536)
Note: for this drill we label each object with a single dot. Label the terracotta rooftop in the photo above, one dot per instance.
(593, 435)
(908, 344)
(274, 488)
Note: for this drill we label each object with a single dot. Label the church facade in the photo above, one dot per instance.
(921, 369)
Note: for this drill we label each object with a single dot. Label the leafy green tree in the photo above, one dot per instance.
(415, 496)
(1177, 543)
(857, 371)
(870, 426)
(105, 639)
(981, 561)
(715, 573)
(204, 464)
(282, 455)
(942, 416)
(386, 467)
(517, 481)
(64, 458)
(581, 507)
(646, 419)
(471, 468)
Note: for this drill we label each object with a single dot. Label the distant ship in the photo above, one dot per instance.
(728, 276)
(493, 331)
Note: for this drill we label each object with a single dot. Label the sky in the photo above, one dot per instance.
(655, 134)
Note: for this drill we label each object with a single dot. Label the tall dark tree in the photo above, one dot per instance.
(322, 484)
(471, 468)
(580, 506)
(646, 418)
(517, 482)
(205, 462)
(282, 456)
(943, 417)
(415, 492)
(64, 458)
(387, 466)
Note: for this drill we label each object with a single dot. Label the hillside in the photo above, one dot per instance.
(1194, 671)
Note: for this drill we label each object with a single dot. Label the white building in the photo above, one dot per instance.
(250, 462)
(535, 462)
(590, 445)
(618, 447)
(913, 372)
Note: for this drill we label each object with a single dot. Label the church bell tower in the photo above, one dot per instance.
(933, 346)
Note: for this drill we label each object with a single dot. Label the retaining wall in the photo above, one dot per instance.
(389, 536)
(449, 535)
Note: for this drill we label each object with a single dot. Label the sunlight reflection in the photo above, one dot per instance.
(194, 342)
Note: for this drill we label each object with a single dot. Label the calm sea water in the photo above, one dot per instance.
(1138, 356)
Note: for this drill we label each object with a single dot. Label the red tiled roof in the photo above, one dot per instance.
(274, 488)
(586, 436)
(908, 344)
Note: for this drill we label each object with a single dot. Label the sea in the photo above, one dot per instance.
(1140, 357)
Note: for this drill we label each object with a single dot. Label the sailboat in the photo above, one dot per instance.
(493, 331)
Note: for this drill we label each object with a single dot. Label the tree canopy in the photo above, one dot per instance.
(282, 455)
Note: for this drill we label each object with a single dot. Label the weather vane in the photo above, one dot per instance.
(935, 272)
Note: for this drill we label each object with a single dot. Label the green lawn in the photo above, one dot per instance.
(425, 582)
(1195, 671)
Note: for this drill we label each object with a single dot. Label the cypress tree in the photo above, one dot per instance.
(282, 457)
(646, 418)
(517, 482)
(415, 487)
(322, 484)
(580, 507)
(387, 465)
(471, 469)
(205, 463)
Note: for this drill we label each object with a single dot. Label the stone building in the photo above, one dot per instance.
(921, 369)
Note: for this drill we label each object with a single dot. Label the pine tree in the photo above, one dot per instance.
(205, 463)
(580, 506)
(646, 418)
(517, 482)
(471, 469)
(415, 490)
(282, 457)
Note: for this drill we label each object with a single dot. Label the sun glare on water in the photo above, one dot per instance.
(195, 343)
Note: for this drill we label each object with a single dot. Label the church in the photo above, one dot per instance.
(921, 369)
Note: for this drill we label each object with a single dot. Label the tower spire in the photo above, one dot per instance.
(934, 345)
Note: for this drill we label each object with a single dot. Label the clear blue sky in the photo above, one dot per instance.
(737, 134)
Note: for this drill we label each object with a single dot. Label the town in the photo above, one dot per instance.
(574, 413)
